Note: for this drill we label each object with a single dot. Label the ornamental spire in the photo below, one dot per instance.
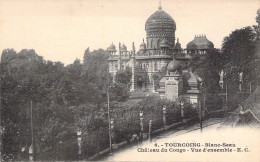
(133, 48)
(160, 6)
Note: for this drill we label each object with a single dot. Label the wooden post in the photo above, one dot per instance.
(150, 130)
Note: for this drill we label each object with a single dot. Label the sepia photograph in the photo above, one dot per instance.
(118, 80)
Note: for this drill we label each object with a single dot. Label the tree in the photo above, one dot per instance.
(63, 99)
(158, 76)
(142, 77)
(7, 55)
(238, 48)
(124, 76)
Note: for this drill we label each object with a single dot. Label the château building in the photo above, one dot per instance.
(155, 52)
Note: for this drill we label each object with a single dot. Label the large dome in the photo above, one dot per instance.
(160, 21)
(160, 25)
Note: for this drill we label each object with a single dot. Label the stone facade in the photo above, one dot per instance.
(173, 86)
(156, 53)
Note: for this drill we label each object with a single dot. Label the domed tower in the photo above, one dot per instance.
(173, 66)
(177, 47)
(124, 49)
(200, 44)
(111, 49)
(160, 25)
(143, 47)
(174, 83)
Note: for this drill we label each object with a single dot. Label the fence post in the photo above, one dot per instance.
(150, 130)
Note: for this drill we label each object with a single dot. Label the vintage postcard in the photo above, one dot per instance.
(118, 80)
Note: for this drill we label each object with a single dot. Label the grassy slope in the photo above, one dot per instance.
(253, 103)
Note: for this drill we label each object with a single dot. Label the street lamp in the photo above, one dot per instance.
(109, 121)
(226, 87)
(79, 132)
(164, 116)
(200, 104)
(141, 115)
(164, 109)
(182, 110)
(31, 149)
(141, 121)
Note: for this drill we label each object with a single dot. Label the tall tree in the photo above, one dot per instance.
(239, 47)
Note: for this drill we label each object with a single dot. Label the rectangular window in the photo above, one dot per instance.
(155, 66)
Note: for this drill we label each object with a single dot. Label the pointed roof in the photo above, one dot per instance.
(111, 48)
(200, 42)
(123, 47)
(178, 45)
(142, 46)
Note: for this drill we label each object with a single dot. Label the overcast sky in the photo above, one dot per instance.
(61, 30)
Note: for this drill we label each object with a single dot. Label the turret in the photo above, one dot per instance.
(111, 49)
(143, 47)
(120, 58)
(177, 47)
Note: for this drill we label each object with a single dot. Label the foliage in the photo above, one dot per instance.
(124, 76)
(67, 98)
(158, 76)
(142, 77)
(63, 99)
(127, 119)
(119, 92)
(239, 46)
(238, 50)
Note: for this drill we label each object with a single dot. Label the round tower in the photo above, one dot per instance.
(160, 25)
